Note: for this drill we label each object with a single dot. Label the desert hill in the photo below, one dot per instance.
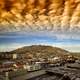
(41, 51)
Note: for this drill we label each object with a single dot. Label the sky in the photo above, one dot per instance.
(11, 20)
(12, 40)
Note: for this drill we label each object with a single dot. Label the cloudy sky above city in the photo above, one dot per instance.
(13, 40)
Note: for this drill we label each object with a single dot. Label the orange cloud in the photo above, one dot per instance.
(54, 12)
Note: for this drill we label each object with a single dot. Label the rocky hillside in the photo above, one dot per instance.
(41, 51)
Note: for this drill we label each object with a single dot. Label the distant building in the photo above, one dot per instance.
(14, 56)
(54, 59)
(8, 55)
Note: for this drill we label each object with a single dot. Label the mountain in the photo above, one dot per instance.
(41, 51)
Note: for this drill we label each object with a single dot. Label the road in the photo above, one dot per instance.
(29, 75)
